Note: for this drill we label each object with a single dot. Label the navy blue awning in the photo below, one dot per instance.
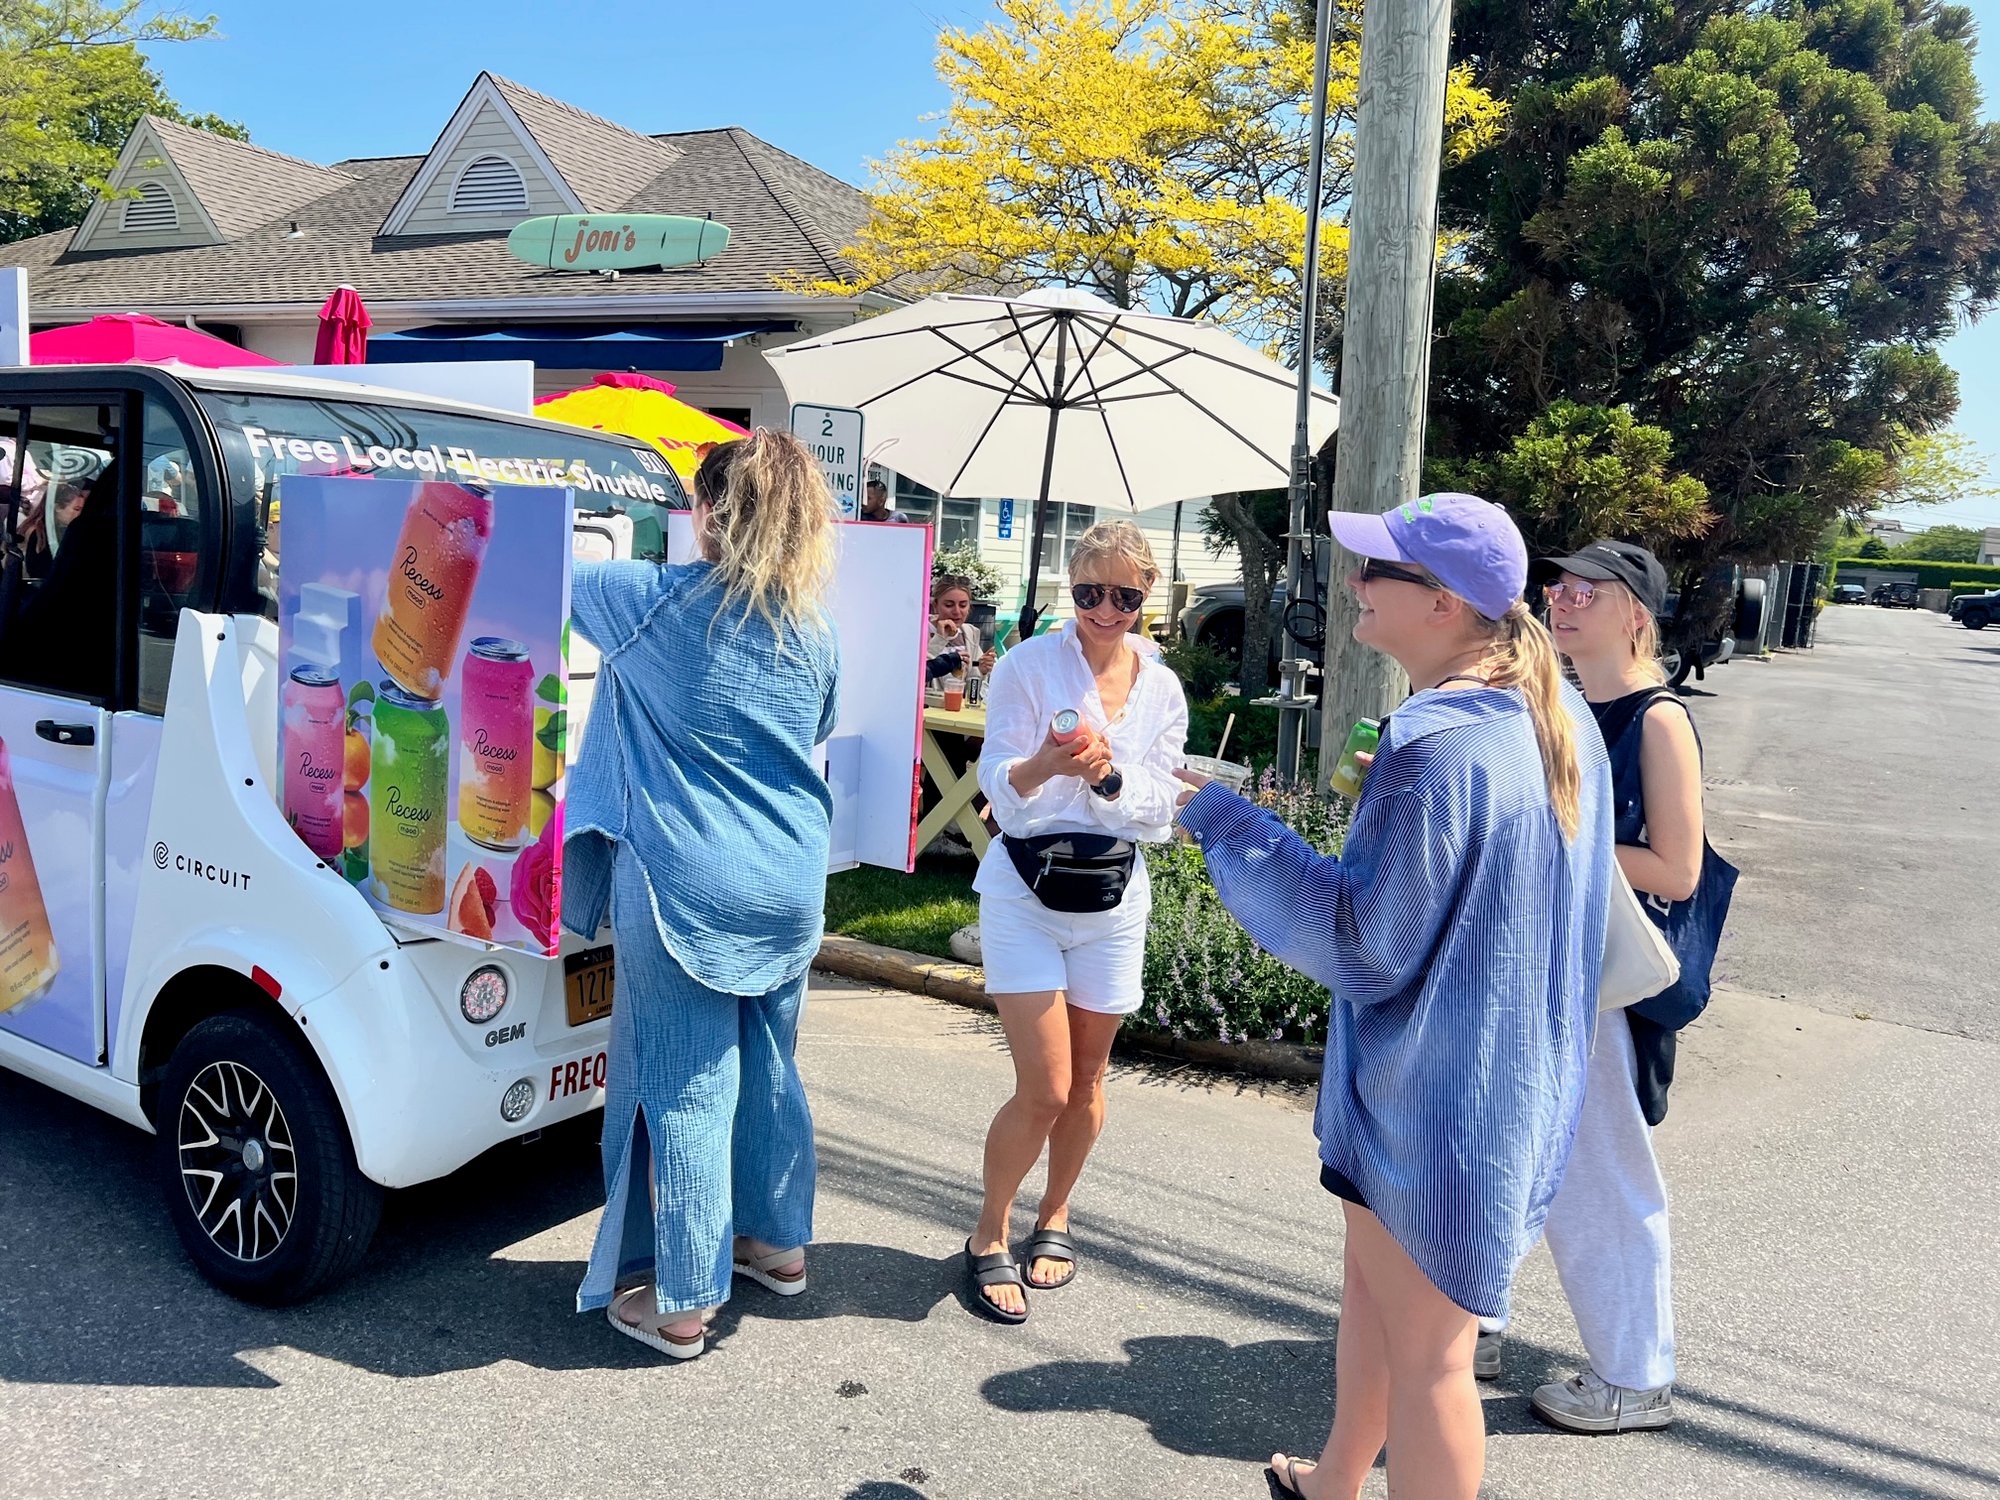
(571, 346)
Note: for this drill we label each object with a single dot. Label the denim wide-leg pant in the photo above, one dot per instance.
(702, 1100)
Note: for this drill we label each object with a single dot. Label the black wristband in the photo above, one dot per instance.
(1110, 786)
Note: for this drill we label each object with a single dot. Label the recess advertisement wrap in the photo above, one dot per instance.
(423, 713)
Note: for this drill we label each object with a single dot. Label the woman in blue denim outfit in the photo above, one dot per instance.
(699, 820)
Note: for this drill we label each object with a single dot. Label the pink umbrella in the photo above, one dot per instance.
(134, 338)
(343, 330)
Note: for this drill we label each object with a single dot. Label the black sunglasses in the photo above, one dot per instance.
(1373, 568)
(1090, 595)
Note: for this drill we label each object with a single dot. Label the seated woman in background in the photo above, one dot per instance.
(954, 645)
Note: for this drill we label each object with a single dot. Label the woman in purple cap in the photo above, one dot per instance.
(1461, 932)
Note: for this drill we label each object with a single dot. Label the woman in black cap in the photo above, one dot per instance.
(1607, 1228)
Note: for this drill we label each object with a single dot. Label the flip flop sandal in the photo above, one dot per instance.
(763, 1269)
(1287, 1481)
(1050, 1244)
(674, 1347)
(997, 1269)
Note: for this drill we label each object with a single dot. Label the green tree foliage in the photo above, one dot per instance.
(1747, 223)
(73, 84)
(1941, 544)
(1583, 472)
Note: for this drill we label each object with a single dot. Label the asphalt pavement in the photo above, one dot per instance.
(1835, 1206)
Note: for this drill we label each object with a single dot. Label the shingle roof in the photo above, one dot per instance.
(603, 163)
(241, 185)
(784, 217)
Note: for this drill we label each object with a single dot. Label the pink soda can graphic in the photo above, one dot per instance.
(315, 725)
(431, 577)
(28, 962)
(496, 725)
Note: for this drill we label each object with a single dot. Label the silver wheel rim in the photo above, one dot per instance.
(237, 1161)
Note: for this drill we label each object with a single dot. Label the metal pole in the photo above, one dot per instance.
(1174, 575)
(1385, 346)
(1292, 704)
(1038, 528)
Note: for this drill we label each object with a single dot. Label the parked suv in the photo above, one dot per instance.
(1976, 611)
(1895, 595)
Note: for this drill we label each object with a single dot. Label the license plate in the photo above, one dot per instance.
(587, 985)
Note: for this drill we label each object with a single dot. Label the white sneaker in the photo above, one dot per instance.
(1584, 1403)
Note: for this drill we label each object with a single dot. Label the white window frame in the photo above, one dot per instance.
(952, 520)
(453, 206)
(1067, 524)
(151, 196)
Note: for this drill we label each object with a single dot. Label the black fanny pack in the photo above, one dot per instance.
(1074, 871)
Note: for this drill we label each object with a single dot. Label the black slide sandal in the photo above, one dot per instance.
(997, 1269)
(1050, 1244)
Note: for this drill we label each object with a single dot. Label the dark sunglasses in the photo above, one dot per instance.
(1090, 595)
(1374, 568)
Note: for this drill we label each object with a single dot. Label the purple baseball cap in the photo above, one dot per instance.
(1469, 545)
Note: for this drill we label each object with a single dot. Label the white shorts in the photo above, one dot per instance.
(1097, 958)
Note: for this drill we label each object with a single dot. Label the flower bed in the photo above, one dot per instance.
(1205, 977)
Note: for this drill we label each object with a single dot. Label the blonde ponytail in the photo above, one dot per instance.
(1523, 656)
(772, 531)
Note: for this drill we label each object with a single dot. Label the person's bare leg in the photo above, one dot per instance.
(1437, 1429)
(1038, 1038)
(1361, 1393)
(1076, 1129)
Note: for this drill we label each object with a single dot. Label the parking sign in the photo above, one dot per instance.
(833, 433)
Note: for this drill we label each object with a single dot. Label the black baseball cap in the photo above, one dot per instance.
(1617, 562)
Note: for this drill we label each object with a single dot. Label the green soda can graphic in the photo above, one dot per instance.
(1348, 772)
(407, 773)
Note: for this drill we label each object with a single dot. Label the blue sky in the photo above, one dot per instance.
(835, 84)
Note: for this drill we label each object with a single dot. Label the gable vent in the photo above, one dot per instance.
(152, 211)
(490, 185)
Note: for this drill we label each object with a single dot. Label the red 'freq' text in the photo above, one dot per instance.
(577, 1076)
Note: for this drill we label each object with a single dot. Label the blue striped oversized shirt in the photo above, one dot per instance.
(1461, 937)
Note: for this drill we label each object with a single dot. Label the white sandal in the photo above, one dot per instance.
(656, 1339)
(763, 1269)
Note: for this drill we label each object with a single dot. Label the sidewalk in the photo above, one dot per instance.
(1835, 1186)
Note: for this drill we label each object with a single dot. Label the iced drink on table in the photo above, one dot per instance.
(406, 797)
(431, 577)
(315, 734)
(496, 726)
(28, 961)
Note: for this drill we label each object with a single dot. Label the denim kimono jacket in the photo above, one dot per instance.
(698, 763)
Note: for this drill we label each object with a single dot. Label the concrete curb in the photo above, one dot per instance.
(965, 984)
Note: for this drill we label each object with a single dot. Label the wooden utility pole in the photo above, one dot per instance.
(1385, 349)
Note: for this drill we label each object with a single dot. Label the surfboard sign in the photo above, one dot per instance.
(616, 242)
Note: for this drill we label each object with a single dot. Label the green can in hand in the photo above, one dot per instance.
(1348, 772)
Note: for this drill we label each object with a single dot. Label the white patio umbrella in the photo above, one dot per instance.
(1060, 395)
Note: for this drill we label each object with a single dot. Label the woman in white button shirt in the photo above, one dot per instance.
(1063, 896)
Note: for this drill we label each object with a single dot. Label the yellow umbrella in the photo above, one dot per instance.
(641, 407)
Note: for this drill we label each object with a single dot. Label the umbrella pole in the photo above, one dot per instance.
(1030, 614)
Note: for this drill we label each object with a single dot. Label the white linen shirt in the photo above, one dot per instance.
(1033, 683)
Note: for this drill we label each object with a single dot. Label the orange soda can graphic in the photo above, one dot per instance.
(28, 963)
(431, 577)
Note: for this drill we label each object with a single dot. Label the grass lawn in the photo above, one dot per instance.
(919, 912)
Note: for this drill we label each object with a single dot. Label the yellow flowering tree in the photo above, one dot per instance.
(1154, 152)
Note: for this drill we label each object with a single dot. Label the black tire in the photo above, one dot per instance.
(1750, 610)
(240, 1095)
(1975, 619)
(1676, 664)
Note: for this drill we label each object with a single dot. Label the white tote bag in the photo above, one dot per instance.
(1638, 964)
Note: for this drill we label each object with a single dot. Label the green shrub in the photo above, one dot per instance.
(964, 561)
(1962, 587)
(1205, 978)
(1202, 669)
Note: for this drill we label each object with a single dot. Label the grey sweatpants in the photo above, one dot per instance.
(1607, 1228)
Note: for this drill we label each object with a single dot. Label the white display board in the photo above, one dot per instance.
(13, 315)
(881, 609)
(833, 433)
(506, 384)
